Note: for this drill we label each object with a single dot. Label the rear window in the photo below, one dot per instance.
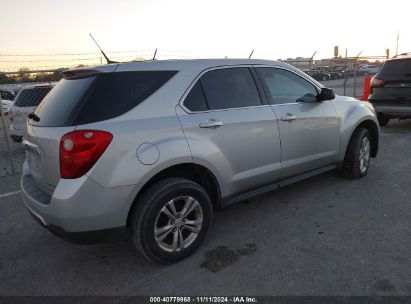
(6, 95)
(31, 97)
(96, 98)
(396, 69)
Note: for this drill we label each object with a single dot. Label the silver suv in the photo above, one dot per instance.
(152, 147)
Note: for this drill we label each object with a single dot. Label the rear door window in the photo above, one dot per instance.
(31, 97)
(100, 97)
(195, 100)
(223, 89)
(230, 88)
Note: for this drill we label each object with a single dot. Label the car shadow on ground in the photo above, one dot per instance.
(396, 125)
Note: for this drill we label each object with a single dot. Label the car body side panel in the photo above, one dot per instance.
(245, 149)
(122, 163)
(352, 113)
(310, 141)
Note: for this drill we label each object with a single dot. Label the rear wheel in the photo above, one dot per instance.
(357, 156)
(383, 119)
(171, 220)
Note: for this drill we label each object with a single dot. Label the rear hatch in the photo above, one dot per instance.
(26, 102)
(83, 96)
(393, 84)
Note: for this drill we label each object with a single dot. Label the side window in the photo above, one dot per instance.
(287, 87)
(195, 100)
(230, 88)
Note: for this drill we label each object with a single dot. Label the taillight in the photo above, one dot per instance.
(80, 150)
(375, 82)
(11, 115)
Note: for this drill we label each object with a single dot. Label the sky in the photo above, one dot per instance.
(190, 28)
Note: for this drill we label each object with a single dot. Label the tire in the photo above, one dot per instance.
(383, 120)
(357, 161)
(325, 78)
(154, 211)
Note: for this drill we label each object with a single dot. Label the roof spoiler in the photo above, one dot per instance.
(80, 73)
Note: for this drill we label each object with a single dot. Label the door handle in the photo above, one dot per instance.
(211, 124)
(289, 117)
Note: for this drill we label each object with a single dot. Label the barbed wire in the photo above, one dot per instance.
(136, 55)
(72, 54)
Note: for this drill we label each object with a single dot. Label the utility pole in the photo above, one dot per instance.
(396, 48)
(312, 59)
(346, 73)
(355, 74)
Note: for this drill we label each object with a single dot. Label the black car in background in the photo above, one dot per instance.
(336, 75)
(318, 75)
(390, 90)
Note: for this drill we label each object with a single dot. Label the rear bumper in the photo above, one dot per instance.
(79, 208)
(84, 237)
(393, 110)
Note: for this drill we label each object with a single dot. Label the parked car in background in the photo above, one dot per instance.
(323, 68)
(7, 98)
(390, 91)
(152, 147)
(318, 75)
(25, 102)
(370, 69)
(336, 75)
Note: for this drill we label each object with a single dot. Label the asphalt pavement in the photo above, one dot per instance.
(326, 235)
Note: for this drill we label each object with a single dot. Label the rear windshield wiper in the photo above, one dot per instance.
(34, 117)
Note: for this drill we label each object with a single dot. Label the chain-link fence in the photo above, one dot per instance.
(347, 76)
(20, 91)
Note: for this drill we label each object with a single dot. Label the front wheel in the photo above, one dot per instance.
(357, 156)
(171, 220)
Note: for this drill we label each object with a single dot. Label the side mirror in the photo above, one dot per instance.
(326, 94)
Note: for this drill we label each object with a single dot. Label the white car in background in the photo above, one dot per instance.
(25, 102)
(6, 101)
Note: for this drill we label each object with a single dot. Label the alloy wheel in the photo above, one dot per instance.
(364, 154)
(178, 224)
